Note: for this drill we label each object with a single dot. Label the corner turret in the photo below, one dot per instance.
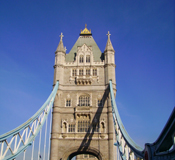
(60, 54)
(109, 46)
(109, 54)
(60, 47)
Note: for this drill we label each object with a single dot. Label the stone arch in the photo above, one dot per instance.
(71, 152)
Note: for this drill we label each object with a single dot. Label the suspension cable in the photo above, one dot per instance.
(39, 144)
(45, 140)
(33, 149)
(50, 134)
(24, 155)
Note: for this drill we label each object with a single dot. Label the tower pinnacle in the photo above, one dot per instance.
(85, 31)
(61, 36)
(108, 35)
(60, 47)
(109, 44)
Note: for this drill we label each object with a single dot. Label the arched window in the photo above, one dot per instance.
(74, 72)
(68, 102)
(88, 72)
(83, 125)
(87, 59)
(81, 59)
(95, 72)
(84, 101)
(81, 72)
(71, 128)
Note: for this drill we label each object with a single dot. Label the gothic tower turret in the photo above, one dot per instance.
(109, 68)
(60, 54)
(109, 54)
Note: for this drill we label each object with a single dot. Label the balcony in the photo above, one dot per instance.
(83, 80)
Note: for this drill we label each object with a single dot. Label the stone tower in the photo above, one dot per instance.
(82, 114)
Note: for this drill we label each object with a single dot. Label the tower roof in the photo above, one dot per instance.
(60, 47)
(90, 42)
(109, 46)
(85, 38)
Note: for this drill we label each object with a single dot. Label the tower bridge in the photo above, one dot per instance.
(85, 120)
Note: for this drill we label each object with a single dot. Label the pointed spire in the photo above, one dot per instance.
(60, 47)
(109, 44)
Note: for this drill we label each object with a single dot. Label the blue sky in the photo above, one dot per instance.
(142, 34)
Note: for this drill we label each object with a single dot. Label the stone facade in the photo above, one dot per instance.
(82, 115)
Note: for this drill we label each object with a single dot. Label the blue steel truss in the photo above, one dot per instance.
(24, 135)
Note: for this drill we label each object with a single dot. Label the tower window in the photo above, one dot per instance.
(68, 103)
(81, 72)
(74, 72)
(94, 72)
(87, 59)
(88, 72)
(81, 59)
(83, 125)
(71, 128)
(84, 101)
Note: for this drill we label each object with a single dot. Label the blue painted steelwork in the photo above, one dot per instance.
(164, 146)
(41, 114)
(137, 150)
